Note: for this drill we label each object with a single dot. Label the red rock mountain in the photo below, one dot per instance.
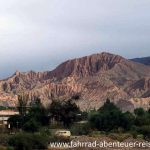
(93, 78)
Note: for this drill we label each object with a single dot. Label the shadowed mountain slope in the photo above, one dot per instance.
(144, 60)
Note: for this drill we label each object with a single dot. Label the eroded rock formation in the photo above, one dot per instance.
(94, 78)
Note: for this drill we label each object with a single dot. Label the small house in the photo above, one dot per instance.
(5, 115)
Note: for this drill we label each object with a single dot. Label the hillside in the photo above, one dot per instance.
(144, 60)
(94, 78)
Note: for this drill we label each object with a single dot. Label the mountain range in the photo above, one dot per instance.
(89, 81)
(144, 60)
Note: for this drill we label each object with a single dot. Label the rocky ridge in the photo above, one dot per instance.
(94, 78)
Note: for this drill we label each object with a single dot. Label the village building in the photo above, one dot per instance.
(5, 115)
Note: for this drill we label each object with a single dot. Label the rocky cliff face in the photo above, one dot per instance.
(93, 78)
(87, 66)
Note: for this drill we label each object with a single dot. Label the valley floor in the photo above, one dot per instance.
(102, 139)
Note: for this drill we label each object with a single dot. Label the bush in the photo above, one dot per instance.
(142, 120)
(108, 118)
(31, 126)
(59, 139)
(4, 138)
(10, 148)
(80, 129)
(21, 141)
(134, 134)
(39, 141)
(145, 130)
(27, 141)
(139, 111)
(45, 131)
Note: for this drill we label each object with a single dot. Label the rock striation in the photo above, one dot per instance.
(92, 78)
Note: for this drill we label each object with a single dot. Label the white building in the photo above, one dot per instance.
(5, 115)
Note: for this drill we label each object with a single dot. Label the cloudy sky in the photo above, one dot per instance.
(40, 34)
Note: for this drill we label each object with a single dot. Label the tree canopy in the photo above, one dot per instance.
(65, 112)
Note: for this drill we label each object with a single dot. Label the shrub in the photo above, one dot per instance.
(145, 130)
(139, 111)
(134, 134)
(142, 120)
(39, 141)
(80, 129)
(59, 139)
(107, 118)
(27, 141)
(31, 126)
(21, 141)
(45, 131)
(10, 148)
(4, 138)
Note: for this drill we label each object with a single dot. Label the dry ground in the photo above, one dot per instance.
(102, 138)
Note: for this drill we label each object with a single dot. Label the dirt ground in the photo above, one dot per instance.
(101, 139)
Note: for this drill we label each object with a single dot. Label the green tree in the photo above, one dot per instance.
(22, 141)
(142, 117)
(108, 117)
(128, 120)
(145, 130)
(37, 116)
(22, 104)
(139, 112)
(80, 129)
(65, 112)
(31, 126)
(38, 113)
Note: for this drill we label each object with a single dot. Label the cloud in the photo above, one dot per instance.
(39, 35)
